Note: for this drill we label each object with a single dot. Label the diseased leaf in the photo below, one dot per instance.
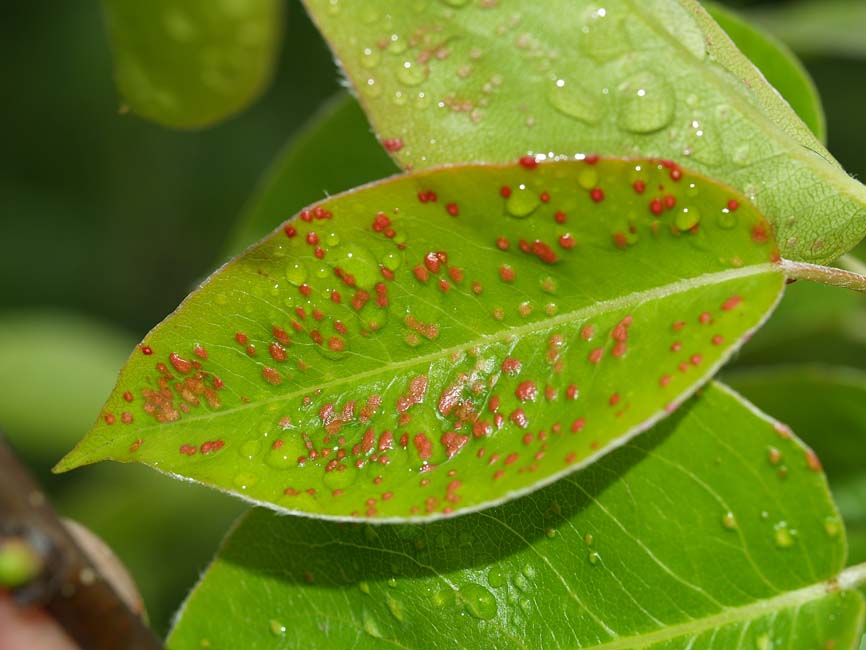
(685, 537)
(778, 64)
(333, 153)
(475, 81)
(193, 63)
(817, 27)
(827, 407)
(448, 340)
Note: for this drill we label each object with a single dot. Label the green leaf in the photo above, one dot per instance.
(426, 345)
(334, 152)
(683, 538)
(778, 64)
(817, 27)
(193, 63)
(827, 407)
(461, 81)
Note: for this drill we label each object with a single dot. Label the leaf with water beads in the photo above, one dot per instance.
(686, 537)
(489, 81)
(190, 64)
(440, 342)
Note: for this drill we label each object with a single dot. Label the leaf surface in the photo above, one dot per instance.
(444, 341)
(191, 64)
(476, 81)
(334, 152)
(778, 64)
(686, 537)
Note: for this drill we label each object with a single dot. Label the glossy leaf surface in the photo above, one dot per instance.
(684, 538)
(474, 81)
(778, 64)
(334, 152)
(190, 64)
(444, 341)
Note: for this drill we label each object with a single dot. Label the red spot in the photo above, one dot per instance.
(414, 395)
(678, 325)
(656, 207)
(453, 443)
(421, 273)
(511, 459)
(665, 380)
(241, 338)
(135, 446)
(614, 399)
(596, 355)
(431, 261)
(251, 349)
(696, 359)
(146, 350)
(597, 194)
(511, 366)
(705, 318)
(619, 349)
(188, 450)
(527, 391)
(759, 234)
(718, 339)
(518, 416)
(456, 274)
(567, 241)
(578, 425)
(392, 144)
(812, 461)
(211, 446)
(639, 187)
(591, 159)
(732, 303)
(733, 204)
(423, 445)
(676, 174)
(670, 201)
(453, 209)
(290, 231)
(620, 240)
(271, 376)
(506, 273)
(126, 418)
(504, 191)
(560, 217)
(572, 392)
(336, 344)
(529, 162)
(502, 244)
(545, 197)
(128, 396)
(278, 352)
(312, 239)
(199, 351)
(109, 418)
(543, 252)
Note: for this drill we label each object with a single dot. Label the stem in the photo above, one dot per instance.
(851, 263)
(68, 587)
(853, 577)
(824, 274)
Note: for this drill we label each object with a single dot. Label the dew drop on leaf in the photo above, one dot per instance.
(783, 535)
(646, 103)
(602, 37)
(570, 99)
(478, 601)
(522, 202)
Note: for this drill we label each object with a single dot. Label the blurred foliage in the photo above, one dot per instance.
(115, 219)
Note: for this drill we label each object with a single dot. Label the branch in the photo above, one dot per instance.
(824, 274)
(61, 579)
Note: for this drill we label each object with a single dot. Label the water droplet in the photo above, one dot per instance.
(442, 598)
(729, 521)
(371, 88)
(687, 218)
(588, 178)
(588, 539)
(337, 480)
(332, 239)
(371, 627)
(412, 74)
(529, 571)
(522, 202)
(392, 261)
(358, 262)
(646, 103)
(727, 220)
(370, 57)
(245, 480)
(392, 582)
(521, 582)
(832, 526)
(495, 578)
(783, 535)
(296, 273)
(277, 628)
(250, 449)
(594, 557)
(763, 642)
(478, 601)
(741, 155)
(395, 607)
(570, 99)
(602, 37)
(364, 586)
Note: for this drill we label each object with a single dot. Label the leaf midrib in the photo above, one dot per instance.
(637, 297)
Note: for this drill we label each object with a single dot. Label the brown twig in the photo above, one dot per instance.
(68, 587)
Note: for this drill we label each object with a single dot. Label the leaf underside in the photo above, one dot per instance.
(429, 345)
(475, 81)
(687, 537)
(190, 64)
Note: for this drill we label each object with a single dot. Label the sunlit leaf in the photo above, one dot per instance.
(686, 537)
(778, 64)
(444, 341)
(192, 63)
(817, 27)
(474, 81)
(334, 152)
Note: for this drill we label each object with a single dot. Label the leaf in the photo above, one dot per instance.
(426, 345)
(817, 27)
(59, 366)
(683, 538)
(827, 407)
(334, 152)
(461, 81)
(191, 64)
(778, 64)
